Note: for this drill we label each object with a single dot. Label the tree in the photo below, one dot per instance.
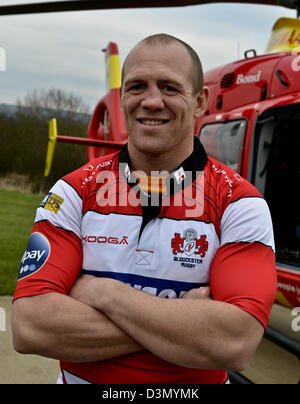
(24, 137)
(46, 102)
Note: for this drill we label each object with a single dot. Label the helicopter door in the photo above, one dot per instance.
(276, 174)
(263, 142)
(251, 115)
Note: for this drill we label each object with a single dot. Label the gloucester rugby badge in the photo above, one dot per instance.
(189, 245)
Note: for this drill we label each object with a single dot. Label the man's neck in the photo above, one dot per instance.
(152, 165)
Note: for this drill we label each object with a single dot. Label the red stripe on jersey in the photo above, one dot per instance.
(244, 274)
(84, 178)
(58, 274)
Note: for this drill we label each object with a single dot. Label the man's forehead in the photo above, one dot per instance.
(144, 50)
(158, 74)
(158, 54)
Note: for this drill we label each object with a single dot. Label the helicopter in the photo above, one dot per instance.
(251, 122)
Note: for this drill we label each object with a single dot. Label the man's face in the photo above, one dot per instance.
(158, 104)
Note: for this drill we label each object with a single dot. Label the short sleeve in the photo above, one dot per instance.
(244, 274)
(52, 260)
(243, 271)
(247, 220)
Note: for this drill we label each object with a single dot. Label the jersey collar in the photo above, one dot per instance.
(180, 178)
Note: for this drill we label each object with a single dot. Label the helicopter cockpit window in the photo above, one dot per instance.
(223, 141)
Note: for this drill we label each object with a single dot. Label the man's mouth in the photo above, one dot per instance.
(153, 122)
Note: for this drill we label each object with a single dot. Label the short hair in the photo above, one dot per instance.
(198, 79)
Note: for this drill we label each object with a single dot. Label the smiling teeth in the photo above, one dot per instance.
(152, 123)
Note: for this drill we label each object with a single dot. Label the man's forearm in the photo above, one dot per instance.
(60, 327)
(192, 333)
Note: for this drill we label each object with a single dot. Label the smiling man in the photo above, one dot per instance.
(160, 104)
(151, 291)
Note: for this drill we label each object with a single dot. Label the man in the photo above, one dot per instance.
(152, 230)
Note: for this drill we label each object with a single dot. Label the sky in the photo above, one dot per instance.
(63, 50)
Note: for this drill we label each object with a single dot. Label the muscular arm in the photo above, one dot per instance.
(60, 327)
(189, 332)
(48, 322)
(207, 334)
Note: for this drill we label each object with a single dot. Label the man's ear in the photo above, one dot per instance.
(201, 102)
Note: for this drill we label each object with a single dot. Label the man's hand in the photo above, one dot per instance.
(85, 290)
(90, 289)
(198, 293)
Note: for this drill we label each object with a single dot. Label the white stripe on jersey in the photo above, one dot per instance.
(111, 244)
(247, 220)
(69, 215)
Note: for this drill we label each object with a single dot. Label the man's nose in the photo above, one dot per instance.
(153, 99)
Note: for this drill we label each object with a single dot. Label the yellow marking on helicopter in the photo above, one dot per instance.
(285, 36)
(113, 72)
(51, 145)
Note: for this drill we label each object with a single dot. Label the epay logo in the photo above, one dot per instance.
(35, 256)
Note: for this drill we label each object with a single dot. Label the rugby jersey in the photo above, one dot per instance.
(207, 226)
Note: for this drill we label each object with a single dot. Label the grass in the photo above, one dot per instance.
(17, 213)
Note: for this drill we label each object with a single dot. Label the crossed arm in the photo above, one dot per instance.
(104, 318)
(60, 327)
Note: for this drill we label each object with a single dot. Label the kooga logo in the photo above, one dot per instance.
(251, 78)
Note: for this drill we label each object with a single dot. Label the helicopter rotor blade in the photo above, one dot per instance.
(76, 5)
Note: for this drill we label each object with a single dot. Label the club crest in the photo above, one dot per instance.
(189, 244)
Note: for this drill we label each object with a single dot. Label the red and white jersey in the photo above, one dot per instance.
(211, 227)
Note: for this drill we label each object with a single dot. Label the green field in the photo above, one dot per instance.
(17, 212)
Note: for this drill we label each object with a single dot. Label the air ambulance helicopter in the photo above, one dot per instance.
(252, 121)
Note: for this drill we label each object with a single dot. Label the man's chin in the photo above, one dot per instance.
(151, 148)
(152, 145)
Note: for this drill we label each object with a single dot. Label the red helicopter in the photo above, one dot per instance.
(251, 123)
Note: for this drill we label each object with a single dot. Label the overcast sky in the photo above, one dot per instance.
(63, 50)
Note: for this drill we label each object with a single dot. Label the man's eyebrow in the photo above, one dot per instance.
(133, 81)
(163, 80)
(170, 81)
